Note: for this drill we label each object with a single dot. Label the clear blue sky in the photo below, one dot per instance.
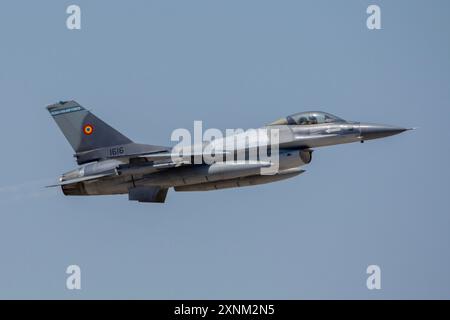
(148, 67)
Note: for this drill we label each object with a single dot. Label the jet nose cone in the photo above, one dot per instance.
(375, 131)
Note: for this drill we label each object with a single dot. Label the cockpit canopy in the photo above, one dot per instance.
(306, 118)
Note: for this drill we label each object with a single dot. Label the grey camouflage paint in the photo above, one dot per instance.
(116, 165)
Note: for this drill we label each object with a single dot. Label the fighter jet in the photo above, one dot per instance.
(111, 164)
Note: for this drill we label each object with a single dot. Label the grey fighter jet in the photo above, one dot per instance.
(110, 163)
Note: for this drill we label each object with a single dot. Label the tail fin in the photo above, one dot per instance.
(82, 129)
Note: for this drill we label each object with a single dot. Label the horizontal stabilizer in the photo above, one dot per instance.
(82, 179)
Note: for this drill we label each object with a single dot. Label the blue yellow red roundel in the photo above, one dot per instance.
(88, 129)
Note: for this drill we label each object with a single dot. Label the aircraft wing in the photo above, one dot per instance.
(160, 160)
(161, 156)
